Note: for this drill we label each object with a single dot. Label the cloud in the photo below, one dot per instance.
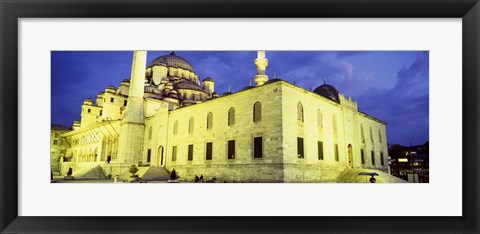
(408, 77)
(383, 87)
(405, 106)
(346, 54)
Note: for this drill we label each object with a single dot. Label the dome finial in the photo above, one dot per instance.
(324, 79)
(250, 82)
(229, 88)
(275, 75)
(172, 53)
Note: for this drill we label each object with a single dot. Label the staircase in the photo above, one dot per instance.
(95, 172)
(155, 173)
(351, 176)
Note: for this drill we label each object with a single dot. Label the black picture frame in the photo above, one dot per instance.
(11, 11)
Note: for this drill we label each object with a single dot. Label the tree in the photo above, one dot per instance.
(70, 171)
(173, 175)
(133, 170)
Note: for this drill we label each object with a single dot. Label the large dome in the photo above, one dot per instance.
(172, 60)
(188, 85)
(327, 91)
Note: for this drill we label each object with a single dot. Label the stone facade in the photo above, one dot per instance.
(274, 132)
(58, 147)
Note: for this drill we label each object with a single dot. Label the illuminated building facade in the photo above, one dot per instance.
(275, 131)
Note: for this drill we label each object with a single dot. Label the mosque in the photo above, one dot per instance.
(165, 118)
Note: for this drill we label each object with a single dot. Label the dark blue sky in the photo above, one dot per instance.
(392, 86)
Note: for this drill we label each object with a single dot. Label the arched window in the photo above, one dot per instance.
(300, 111)
(371, 134)
(190, 125)
(319, 119)
(150, 133)
(257, 112)
(175, 127)
(362, 133)
(210, 120)
(231, 116)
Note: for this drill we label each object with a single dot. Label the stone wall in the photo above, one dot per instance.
(318, 125)
(309, 173)
(313, 128)
(157, 121)
(243, 131)
(242, 173)
(373, 143)
(278, 127)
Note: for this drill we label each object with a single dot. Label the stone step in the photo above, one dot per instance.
(155, 173)
(351, 176)
(93, 173)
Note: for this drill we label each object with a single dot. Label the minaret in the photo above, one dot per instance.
(132, 127)
(261, 62)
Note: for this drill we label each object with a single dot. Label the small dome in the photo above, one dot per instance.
(101, 93)
(152, 89)
(153, 96)
(168, 85)
(248, 87)
(328, 91)
(165, 80)
(111, 87)
(187, 85)
(172, 60)
(60, 127)
(208, 79)
(126, 81)
(173, 95)
(88, 101)
(272, 81)
(187, 102)
(148, 73)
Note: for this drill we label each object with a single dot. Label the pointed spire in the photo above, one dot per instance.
(133, 120)
(172, 53)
